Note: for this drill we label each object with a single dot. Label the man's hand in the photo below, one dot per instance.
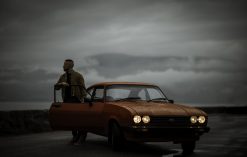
(63, 84)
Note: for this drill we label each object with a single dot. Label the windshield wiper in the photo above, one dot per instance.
(157, 99)
(130, 98)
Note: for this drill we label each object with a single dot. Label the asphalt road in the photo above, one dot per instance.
(228, 137)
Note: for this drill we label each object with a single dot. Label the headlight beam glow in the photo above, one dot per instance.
(201, 119)
(146, 119)
(193, 119)
(137, 119)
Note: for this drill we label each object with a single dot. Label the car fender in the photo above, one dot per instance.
(119, 114)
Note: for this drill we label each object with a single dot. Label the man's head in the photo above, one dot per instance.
(68, 64)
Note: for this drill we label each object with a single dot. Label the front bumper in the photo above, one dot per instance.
(160, 134)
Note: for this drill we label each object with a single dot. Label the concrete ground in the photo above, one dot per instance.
(228, 137)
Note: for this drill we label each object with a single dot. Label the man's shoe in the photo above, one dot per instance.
(77, 143)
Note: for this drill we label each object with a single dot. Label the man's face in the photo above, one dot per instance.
(67, 66)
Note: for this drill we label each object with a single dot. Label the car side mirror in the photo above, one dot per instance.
(171, 101)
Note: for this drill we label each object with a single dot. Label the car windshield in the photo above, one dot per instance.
(134, 92)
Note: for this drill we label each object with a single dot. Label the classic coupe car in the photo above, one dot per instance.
(129, 111)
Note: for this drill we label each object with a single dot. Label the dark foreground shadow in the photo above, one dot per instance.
(132, 149)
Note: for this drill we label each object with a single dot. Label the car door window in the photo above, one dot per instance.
(89, 93)
(99, 94)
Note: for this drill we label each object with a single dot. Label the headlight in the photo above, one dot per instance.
(146, 119)
(193, 119)
(137, 119)
(201, 119)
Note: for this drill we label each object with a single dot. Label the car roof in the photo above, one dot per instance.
(121, 83)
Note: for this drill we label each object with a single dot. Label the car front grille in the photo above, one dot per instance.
(170, 121)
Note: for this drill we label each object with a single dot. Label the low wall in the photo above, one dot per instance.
(229, 110)
(23, 122)
(33, 121)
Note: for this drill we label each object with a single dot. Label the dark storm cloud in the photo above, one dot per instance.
(196, 79)
(195, 50)
(215, 20)
(22, 85)
(200, 79)
(34, 27)
(20, 75)
(112, 65)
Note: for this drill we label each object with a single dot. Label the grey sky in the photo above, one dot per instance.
(195, 50)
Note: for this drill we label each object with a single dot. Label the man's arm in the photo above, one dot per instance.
(61, 83)
(83, 88)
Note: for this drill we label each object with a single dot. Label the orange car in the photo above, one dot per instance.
(132, 112)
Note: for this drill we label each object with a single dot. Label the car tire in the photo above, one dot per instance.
(188, 147)
(116, 137)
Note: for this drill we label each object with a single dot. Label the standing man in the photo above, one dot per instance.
(72, 84)
(73, 89)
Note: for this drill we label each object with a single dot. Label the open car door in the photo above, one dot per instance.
(68, 116)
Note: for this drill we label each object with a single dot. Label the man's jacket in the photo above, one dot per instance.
(76, 79)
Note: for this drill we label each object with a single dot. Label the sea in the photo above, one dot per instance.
(9, 106)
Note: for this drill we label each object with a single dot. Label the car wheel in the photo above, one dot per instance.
(83, 136)
(116, 137)
(188, 147)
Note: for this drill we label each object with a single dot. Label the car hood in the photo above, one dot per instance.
(159, 108)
